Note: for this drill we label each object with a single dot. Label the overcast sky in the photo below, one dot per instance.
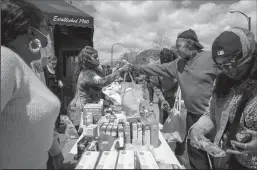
(137, 23)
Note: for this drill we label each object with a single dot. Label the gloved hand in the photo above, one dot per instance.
(196, 136)
(165, 105)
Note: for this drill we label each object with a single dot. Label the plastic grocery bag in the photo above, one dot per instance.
(174, 127)
(131, 97)
(112, 95)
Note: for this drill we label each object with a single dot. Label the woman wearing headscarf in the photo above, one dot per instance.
(232, 113)
(90, 82)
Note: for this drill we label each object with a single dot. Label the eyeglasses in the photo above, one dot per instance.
(227, 66)
(223, 66)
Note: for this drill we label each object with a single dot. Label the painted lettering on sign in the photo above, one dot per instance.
(70, 20)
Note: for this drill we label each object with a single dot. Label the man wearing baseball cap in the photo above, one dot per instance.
(195, 74)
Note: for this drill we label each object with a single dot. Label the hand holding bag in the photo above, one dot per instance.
(175, 126)
(131, 96)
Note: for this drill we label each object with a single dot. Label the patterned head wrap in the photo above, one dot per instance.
(248, 44)
(239, 46)
(85, 57)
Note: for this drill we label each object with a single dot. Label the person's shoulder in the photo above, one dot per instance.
(7, 53)
(86, 73)
(9, 59)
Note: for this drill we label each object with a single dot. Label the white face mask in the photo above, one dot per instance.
(49, 41)
(46, 51)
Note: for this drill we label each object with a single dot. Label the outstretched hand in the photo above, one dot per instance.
(196, 137)
(125, 68)
(165, 105)
(244, 148)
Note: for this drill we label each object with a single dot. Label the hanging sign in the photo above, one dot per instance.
(71, 20)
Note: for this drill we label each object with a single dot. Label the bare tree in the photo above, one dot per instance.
(161, 41)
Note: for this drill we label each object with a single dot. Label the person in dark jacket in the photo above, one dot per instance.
(195, 74)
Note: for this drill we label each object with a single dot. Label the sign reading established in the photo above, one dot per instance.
(70, 20)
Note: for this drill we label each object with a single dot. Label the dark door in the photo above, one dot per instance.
(68, 63)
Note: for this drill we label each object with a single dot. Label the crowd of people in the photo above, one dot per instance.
(219, 89)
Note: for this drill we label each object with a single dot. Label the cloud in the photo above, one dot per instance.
(137, 23)
(186, 3)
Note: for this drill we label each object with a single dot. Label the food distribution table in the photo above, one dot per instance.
(163, 153)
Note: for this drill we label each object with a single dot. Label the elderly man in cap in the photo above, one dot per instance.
(195, 74)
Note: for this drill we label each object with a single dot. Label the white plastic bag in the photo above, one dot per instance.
(112, 95)
(131, 97)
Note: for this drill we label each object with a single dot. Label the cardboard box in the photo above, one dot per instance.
(103, 128)
(96, 118)
(146, 160)
(87, 118)
(88, 160)
(84, 119)
(127, 131)
(114, 132)
(91, 130)
(154, 134)
(126, 160)
(134, 132)
(113, 119)
(105, 142)
(139, 133)
(146, 132)
(108, 160)
(169, 166)
(109, 129)
(120, 130)
(132, 120)
(96, 109)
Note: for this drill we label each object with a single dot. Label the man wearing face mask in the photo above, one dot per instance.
(195, 74)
